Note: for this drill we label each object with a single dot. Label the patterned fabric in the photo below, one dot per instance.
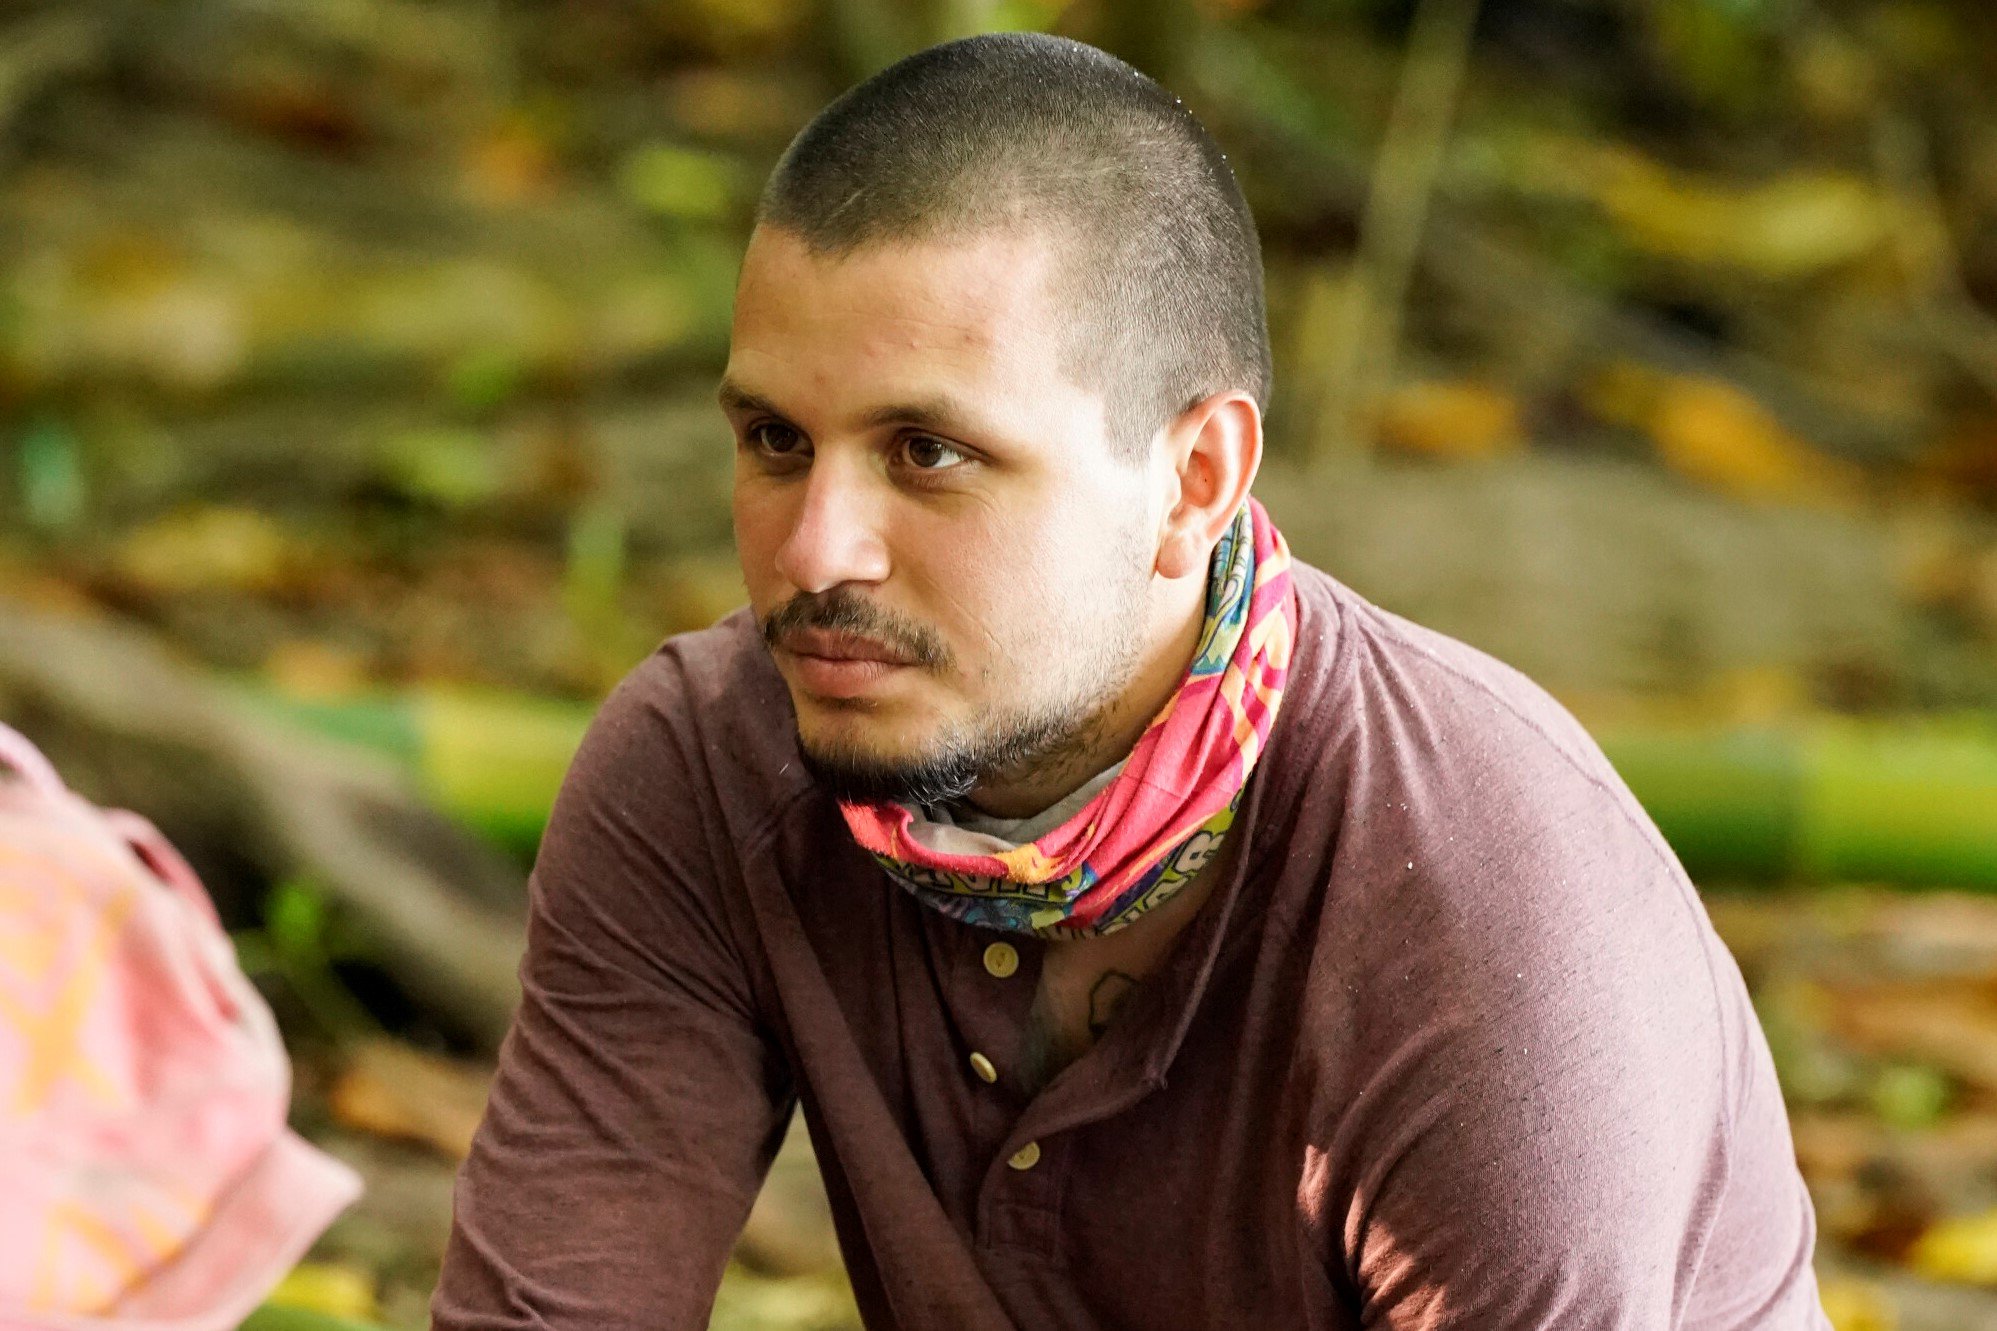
(147, 1177)
(1153, 828)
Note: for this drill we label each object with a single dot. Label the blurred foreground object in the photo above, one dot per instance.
(149, 1174)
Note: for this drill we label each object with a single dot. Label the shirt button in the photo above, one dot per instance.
(1026, 1157)
(1001, 960)
(983, 1067)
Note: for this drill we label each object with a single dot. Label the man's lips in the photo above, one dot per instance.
(839, 665)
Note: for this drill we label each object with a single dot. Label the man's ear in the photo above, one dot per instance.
(1215, 448)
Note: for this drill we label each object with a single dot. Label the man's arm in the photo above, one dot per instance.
(1571, 1119)
(637, 1104)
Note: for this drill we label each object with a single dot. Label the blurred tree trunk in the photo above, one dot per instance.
(1154, 35)
(866, 36)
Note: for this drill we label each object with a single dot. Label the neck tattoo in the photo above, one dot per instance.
(1105, 997)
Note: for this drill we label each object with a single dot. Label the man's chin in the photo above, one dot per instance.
(854, 776)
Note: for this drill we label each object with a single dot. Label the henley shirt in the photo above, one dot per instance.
(1452, 1045)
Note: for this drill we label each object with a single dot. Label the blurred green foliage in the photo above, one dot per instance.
(300, 941)
(439, 290)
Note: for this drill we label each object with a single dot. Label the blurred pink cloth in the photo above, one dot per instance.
(147, 1178)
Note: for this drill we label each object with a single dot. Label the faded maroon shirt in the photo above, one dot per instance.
(1453, 1046)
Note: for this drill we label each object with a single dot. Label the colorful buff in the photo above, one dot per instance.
(1156, 825)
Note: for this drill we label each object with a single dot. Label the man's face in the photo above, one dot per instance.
(953, 571)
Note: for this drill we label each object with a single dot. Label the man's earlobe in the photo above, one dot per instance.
(1179, 555)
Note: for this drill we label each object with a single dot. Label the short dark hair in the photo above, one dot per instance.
(1016, 131)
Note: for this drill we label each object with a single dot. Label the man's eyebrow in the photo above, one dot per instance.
(941, 414)
(734, 397)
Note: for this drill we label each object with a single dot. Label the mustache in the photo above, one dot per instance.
(842, 610)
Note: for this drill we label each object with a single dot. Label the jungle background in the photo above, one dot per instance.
(357, 433)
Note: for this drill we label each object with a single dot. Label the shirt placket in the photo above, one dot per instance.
(1031, 1140)
(988, 981)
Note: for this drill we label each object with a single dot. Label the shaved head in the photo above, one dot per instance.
(1157, 268)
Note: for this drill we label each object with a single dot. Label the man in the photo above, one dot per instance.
(1154, 933)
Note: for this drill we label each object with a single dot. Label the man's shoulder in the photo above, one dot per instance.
(1474, 802)
(1398, 664)
(1417, 707)
(712, 672)
(704, 715)
(1492, 875)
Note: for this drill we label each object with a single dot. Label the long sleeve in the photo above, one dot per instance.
(1544, 1098)
(637, 1103)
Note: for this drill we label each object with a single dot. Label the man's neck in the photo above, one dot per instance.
(1019, 831)
(1085, 981)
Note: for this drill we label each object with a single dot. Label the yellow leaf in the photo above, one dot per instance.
(325, 1287)
(1857, 1305)
(207, 547)
(1789, 226)
(1452, 419)
(396, 1090)
(1720, 436)
(1962, 1249)
(511, 162)
(308, 668)
(685, 183)
(1806, 223)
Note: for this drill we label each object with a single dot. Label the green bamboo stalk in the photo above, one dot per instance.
(1726, 802)
(1903, 800)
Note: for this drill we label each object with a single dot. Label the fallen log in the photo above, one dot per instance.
(250, 798)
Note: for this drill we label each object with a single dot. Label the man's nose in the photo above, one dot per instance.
(835, 535)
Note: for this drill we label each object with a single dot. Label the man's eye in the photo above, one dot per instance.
(774, 438)
(927, 454)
